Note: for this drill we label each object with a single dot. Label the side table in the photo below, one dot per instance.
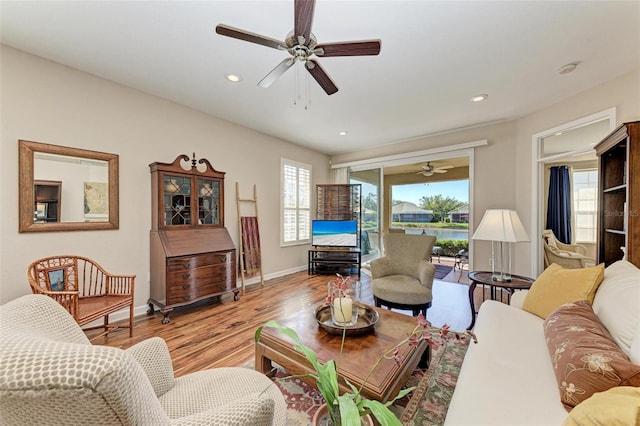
(484, 277)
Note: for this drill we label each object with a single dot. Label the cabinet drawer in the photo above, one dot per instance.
(182, 294)
(202, 275)
(191, 262)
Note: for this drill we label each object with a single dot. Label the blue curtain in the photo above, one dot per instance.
(559, 204)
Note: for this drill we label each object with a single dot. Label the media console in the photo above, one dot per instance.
(334, 260)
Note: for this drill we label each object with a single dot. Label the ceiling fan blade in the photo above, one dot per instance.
(303, 19)
(239, 34)
(349, 48)
(445, 167)
(439, 171)
(276, 73)
(320, 75)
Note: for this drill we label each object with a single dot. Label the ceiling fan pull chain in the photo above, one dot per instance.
(296, 88)
(307, 92)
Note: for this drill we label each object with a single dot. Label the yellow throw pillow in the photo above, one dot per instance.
(617, 406)
(557, 286)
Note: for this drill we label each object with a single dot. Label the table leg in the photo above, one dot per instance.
(472, 289)
(262, 363)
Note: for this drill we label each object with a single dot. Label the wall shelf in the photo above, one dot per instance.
(619, 195)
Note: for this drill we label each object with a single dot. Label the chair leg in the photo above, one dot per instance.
(131, 320)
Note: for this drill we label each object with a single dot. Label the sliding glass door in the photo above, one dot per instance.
(371, 181)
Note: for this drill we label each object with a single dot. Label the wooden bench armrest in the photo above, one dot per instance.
(120, 284)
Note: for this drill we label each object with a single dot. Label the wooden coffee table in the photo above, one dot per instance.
(359, 355)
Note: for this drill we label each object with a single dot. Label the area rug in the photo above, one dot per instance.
(442, 271)
(426, 405)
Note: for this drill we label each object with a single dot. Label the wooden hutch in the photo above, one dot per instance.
(619, 195)
(192, 254)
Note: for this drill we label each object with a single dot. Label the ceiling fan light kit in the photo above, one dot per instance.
(302, 45)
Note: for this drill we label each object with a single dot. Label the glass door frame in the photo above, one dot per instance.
(380, 202)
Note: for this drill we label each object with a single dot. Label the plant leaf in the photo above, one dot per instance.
(401, 394)
(349, 413)
(381, 413)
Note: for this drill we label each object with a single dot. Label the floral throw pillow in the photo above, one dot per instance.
(583, 354)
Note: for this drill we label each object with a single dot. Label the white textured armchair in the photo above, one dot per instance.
(51, 374)
(403, 278)
(570, 256)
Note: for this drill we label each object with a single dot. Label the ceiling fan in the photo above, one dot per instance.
(429, 170)
(302, 46)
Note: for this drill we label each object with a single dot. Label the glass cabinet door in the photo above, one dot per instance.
(177, 200)
(208, 201)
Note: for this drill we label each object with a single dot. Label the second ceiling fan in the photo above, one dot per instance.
(302, 45)
(429, 170)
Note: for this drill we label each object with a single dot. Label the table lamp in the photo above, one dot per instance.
(504, 227)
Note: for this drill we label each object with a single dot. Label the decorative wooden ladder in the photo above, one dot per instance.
(249, 242)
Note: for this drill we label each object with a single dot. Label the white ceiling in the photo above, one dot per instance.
(434, 57)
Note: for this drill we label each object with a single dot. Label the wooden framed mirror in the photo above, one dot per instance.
(81, 186)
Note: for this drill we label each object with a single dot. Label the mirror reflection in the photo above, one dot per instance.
(64, 188)
(71, 189)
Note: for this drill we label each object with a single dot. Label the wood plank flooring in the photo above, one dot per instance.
(220, 333)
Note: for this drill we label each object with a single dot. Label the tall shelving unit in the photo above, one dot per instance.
(619, 195)
(337, 202)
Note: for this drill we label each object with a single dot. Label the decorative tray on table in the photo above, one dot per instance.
(367, 318)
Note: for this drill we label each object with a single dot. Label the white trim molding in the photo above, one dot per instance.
(399, 159)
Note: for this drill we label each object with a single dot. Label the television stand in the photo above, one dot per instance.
(329, 260)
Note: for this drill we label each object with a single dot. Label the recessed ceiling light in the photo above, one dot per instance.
(479, 98)
(566, 69)
(343, 133)
(233, 78)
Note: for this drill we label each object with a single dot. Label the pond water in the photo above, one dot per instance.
(441, 234)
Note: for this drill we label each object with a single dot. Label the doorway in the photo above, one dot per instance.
(572, 145)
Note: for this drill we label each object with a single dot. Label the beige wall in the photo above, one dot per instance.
(46, 102)
(502, 171)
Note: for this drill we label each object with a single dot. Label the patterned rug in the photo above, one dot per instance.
(426, 405)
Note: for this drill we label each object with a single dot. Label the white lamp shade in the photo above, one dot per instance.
(501, 225)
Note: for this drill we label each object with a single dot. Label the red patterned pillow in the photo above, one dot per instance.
(583, 354)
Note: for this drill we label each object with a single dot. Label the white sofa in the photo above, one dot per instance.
(508, 377)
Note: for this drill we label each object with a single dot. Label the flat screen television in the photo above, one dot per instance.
(334, 233)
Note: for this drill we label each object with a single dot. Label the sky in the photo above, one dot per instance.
(458, 189)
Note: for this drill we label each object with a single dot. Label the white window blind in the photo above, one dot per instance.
(296, 202)
(585, 189)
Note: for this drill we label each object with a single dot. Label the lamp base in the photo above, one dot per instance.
(503, 278)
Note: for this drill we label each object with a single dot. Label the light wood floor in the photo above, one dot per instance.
(220, 333)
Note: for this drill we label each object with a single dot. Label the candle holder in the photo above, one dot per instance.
(343, 294)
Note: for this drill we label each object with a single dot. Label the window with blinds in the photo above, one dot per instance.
(295, 202)
(585, 189)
